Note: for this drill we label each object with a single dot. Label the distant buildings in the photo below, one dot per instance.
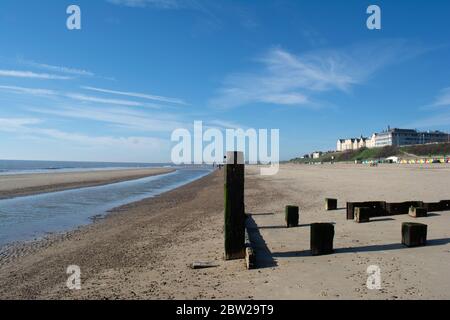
(352, 144)
(393, 137)
(316, 155)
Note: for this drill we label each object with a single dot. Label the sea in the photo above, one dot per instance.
(27, 166)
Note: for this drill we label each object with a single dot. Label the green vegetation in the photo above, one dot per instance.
(428, 150)
(438, 149)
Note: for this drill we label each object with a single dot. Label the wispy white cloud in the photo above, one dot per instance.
(124, 118)
(58, 69)
(31, 91)
(436, 113)
(443, 99)
(15, 124)
(289, 79)
(163, 4)
(86, 98)
(77, 96)
(137, 95)
(32, 75)
(26, 126)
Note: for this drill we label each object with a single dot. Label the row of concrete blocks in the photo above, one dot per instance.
(383, 209)
(322, 234)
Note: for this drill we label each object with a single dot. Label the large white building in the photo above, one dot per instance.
(393, 137)
(352, 144)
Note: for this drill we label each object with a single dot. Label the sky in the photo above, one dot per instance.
(139, 69)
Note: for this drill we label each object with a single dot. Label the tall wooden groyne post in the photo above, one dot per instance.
(234, 206)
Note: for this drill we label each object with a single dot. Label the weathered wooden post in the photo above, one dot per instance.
(362, 214)
(234, 230)
(418, 212)
(330, 204)
(445, 205)
(432, 206)
(414, 234)
(291, 216)
(322, 236)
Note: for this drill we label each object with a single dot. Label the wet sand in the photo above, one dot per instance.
(142, 250)
(27, 184)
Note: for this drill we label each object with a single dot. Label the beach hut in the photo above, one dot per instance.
(392, 159)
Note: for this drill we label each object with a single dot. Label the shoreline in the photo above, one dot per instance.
(18, 257)
(20, 185)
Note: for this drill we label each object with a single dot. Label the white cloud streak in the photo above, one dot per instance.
(137, 95)
(123, 118)
(162, 4)
(30, 91)
(32, 75)
(85, 98)
(77, 96)
(58, 69)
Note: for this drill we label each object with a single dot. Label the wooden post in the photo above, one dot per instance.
(400, 208)
(292, 216)
(322, 236)
(362, 214)
(351, 209)
(330, 204)
(418, 212)
(433, 206)
(445, 205)
(234, 230)
(414, 234)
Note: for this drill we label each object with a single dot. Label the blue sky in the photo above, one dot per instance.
(138, 69)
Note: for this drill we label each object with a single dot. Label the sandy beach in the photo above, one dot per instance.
(27, 184)
(142, 250)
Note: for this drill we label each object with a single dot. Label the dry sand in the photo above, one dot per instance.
(26, 184)
(142, 250)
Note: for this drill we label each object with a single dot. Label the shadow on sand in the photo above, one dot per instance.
(264, 258)
(261, 214)
(283, 227)
(381, 220)
(374, 248)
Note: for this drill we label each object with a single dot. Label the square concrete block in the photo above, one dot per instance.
(414, 234)
(362, 214)
(330, 204)
(292, 216)
(418, 212)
